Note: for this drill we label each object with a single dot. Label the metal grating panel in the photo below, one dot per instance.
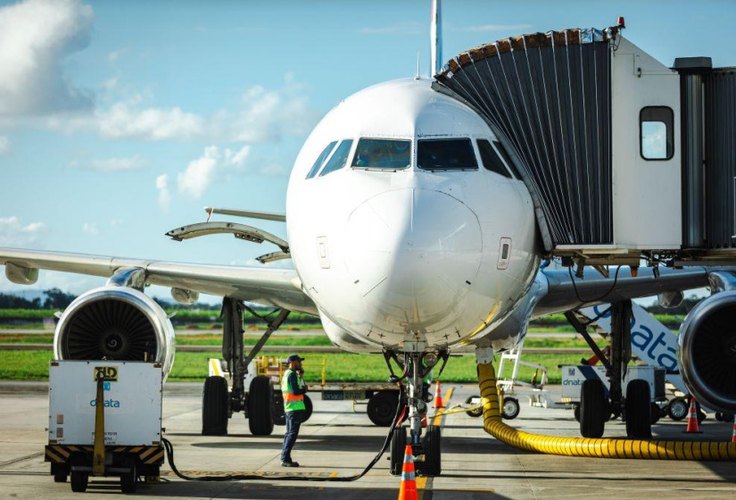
(548, 97)
(720, 158)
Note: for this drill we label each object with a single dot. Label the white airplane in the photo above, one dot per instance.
(411, 234)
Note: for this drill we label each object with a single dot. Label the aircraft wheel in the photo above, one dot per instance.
(677, 409)
(215, 412)
(432, 465)
(473, 413)
(382, 408)
(260, 398)
(638, 410)
(511, 408)
(398, 446)
(593, 409)
(655, 413)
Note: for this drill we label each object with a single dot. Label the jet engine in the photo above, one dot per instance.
(708, 351)
(115, 323)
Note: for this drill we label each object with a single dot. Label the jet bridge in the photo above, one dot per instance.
(624, 157)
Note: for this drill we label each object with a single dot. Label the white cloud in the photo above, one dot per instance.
(117, 164)
(4, 144)
(497, 27)
(14, 233)
(124, 120)
(199, 174)
(164, 196)
(115, 55)
(90, 228)
(197, 177)
(237, 158)
(35, 37)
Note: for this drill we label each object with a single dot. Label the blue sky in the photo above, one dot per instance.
(121, 120)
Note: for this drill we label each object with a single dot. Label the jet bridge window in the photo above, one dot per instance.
(490, 159)
(446, 154)
(321, 159)
(339, 158)
(382, 153)
(656, 133)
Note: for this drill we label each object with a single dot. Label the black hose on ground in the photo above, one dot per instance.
(255, 477)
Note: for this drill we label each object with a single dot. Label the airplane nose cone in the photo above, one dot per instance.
(414, 254)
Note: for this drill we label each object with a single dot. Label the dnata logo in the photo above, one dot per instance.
(572, 382)
(109, 403)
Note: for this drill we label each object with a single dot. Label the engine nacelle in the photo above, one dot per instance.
(708, 351)
(115, 323)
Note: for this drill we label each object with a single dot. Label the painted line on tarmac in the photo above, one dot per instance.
(439, 421)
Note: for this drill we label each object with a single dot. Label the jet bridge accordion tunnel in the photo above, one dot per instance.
(622, 155)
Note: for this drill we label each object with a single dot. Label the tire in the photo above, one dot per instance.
(638, 410)
(277, 409)
(215, 411)
(593, 409)
(398, 445)
(473, 413)
(260, 397)
(308, 407)
(655, 413)
(60, 472)
(382, 408)
(432, 465)
(511, 408)
(677, 409)
(79, 481)
(129, 480)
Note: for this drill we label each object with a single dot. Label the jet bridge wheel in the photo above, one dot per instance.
(215, 412)
(593, 409)
(260, 398)
(398, 446)
(638, 410)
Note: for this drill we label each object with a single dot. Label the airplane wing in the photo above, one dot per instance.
(268, 286)
(565, 292)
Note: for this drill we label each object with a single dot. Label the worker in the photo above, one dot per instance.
(293, 389)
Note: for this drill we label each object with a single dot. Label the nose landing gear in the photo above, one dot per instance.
(427, 448)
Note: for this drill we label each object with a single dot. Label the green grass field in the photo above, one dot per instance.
(192, 366)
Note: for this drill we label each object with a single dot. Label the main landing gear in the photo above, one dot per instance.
(427, 448)
(219, 401)
(598, 405)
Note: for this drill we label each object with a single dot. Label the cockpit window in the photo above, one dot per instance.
(446, 154)
(321, 159)
(382, 153)
(338, 158)
(505, 155)
(490, 159)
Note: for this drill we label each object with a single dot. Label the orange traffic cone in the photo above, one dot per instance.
(438, 397)
(692, 419)
(733, 434)
(408, 487)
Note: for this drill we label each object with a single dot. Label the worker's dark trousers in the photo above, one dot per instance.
(293, 421)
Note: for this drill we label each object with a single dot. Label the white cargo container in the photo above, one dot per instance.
(133, 402)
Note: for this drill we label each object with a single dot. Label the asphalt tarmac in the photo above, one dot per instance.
(338, 441)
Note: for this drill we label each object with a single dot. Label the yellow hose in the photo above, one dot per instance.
(584, 447)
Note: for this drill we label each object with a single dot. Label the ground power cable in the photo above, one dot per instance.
(169, 448)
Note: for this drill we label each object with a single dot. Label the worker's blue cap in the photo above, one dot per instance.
(294, 357)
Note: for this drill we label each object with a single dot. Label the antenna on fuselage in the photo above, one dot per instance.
(435, 38)
(418, 75)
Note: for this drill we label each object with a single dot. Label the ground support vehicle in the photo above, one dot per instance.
(105, 420)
